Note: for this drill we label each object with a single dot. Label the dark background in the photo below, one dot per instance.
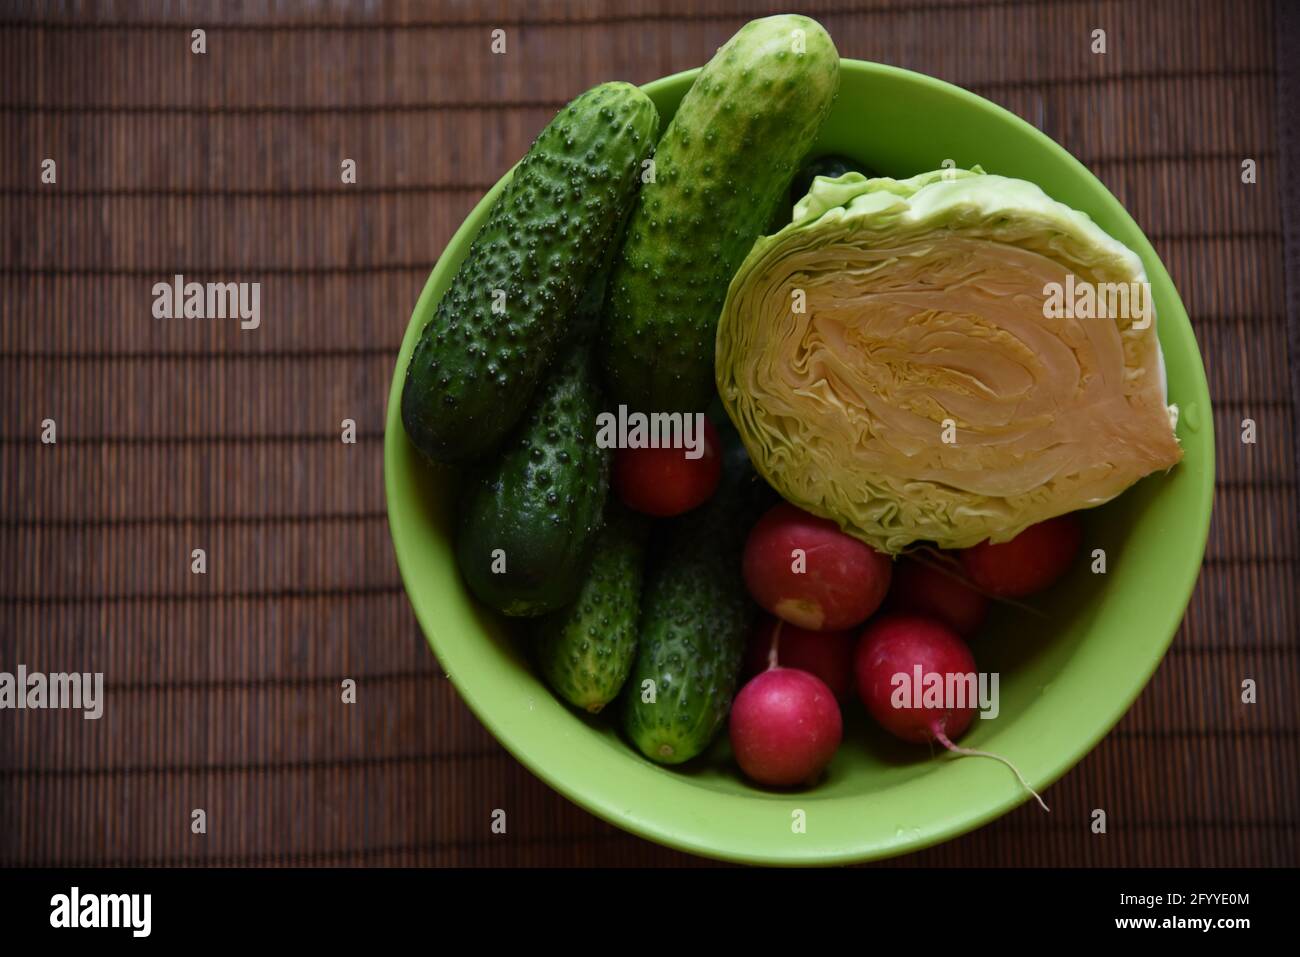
(223, 690)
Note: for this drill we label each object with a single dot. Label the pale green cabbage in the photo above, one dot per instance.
(923, 321)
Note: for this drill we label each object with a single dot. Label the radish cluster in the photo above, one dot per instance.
(845, 618)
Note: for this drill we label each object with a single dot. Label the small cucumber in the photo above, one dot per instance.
(722, 169)
(530, 514)
(502, 319)
(585, 651)
(695, 618)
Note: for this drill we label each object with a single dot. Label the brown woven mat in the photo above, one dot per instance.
(224, 688)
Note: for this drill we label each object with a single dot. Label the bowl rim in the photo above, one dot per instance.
(598, 800)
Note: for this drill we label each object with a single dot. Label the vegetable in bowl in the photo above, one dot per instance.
(722, 168)
(1091, 654)
(892, 361)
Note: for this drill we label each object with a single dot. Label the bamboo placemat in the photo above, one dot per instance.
(223, 689)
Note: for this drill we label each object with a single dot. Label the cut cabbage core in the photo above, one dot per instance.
(889, 364)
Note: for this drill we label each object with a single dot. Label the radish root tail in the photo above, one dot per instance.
(971, 752)
(776, 640)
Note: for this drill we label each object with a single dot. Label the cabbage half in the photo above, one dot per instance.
(921, 394)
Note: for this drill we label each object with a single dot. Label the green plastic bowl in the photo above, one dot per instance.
(1066, 678)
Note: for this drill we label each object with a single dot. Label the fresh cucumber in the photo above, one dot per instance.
(498, 326)
(586, 650)
(530, 514)
(695, 618)
(722, 169)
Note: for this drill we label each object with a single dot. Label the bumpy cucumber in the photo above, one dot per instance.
(722, 168)
(586, 650)
(497, 327)
(530, 515)
(695, 618)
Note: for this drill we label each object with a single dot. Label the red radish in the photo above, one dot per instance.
(896, 645)
(914, 646)
(925, 589)
(664, 482)
(804, 570)
(785, 727)
(826, 654)
(1028, 563)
